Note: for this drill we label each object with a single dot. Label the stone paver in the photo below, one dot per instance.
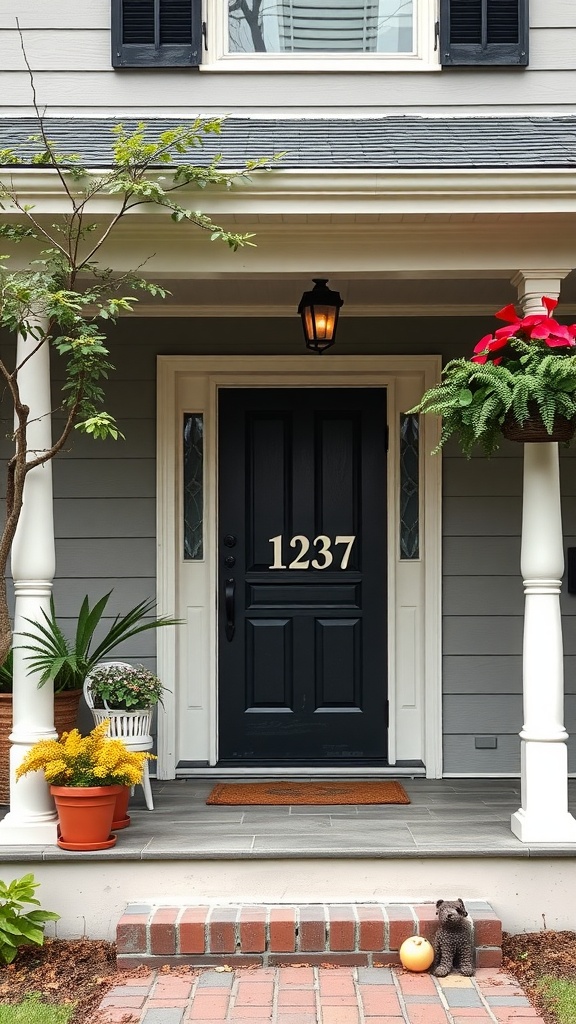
(343, 995)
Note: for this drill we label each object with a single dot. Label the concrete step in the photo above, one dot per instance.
(351, 934)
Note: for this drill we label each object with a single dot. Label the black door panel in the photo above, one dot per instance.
(302, 610)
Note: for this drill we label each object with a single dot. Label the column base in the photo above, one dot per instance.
(19, 832)
(535, 828)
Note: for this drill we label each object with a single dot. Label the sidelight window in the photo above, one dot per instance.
(193, 488)
(409, 486)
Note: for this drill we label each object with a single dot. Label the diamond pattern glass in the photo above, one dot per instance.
(193, 486)
(409, 486)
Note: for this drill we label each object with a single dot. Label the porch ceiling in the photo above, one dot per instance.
(382, 296)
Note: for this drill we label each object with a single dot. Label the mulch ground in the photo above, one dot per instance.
(532, 955)
(81, 971)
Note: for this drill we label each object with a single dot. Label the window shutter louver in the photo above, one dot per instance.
(156, 33)
(488, 32)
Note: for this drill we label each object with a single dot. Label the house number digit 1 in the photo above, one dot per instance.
(323, 549)
(277, 544)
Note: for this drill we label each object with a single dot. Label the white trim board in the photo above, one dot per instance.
(187, 726)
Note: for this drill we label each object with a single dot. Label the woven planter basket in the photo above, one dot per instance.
(533, 430)
(65, 716)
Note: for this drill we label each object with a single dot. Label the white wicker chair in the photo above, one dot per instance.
(132, 727)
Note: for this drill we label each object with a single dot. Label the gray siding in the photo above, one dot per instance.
(68, 45)
(483, 606)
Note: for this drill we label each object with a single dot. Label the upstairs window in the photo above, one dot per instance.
(320, 26)
(322, 35)
(318, 35)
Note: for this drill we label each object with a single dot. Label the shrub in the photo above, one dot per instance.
(19, 928)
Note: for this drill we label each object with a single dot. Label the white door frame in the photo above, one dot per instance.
(190, 384)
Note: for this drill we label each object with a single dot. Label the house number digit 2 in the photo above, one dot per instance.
(322, 550)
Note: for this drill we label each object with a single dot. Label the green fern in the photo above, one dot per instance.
(474, 399)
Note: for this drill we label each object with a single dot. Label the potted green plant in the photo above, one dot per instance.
(126, 688)
(86, 775)
(125, 695)
(67, 662)
(520, 383)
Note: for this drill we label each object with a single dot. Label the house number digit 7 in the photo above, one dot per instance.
(322, 545)
(348, 541)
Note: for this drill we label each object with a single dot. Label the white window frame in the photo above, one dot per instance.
(425, 57)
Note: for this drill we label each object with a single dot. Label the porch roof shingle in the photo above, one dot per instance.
(371, 143)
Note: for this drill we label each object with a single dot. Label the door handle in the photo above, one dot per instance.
(229, 589)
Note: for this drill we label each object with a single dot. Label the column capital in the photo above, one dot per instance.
(533, 284)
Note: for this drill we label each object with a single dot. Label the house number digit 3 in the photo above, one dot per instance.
(323, 550)
(323, 553)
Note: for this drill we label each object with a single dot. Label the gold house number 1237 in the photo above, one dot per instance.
(322, 550)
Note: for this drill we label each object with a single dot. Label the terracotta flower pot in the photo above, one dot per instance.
(85, 816)
(121, 818)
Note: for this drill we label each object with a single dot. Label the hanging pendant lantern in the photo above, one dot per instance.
(319, 310)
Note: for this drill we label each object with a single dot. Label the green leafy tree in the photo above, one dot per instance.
(66, 295)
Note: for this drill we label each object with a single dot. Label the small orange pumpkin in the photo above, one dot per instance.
(416, 953)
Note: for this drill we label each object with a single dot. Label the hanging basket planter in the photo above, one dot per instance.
(534, 356)
(533, 431)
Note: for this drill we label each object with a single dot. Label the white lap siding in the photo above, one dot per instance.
(68, 46)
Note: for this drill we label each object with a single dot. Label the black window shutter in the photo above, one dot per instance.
(487, 32)
(156, 33)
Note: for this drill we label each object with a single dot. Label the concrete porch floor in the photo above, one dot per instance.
(446, 818)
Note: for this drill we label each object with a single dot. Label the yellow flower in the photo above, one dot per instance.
(77, 760)
(57, 770)
(72, 742)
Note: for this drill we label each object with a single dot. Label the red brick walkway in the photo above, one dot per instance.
(316, 995)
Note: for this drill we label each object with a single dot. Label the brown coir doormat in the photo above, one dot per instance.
(308, 793)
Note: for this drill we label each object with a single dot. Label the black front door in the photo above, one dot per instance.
(302, 576)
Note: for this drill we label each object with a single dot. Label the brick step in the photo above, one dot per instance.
(352, 934)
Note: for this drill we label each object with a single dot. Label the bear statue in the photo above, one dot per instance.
(453, 940)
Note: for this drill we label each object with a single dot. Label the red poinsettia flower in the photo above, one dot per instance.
(486, 346)
(537, 326)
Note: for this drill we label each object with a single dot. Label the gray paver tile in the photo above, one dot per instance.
(375, 976)
(312, 826)
(164, 1015)
(461, 997)
(216, 979)
(182, 846)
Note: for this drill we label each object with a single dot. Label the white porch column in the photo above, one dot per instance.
(32, 819)
(543, 816)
